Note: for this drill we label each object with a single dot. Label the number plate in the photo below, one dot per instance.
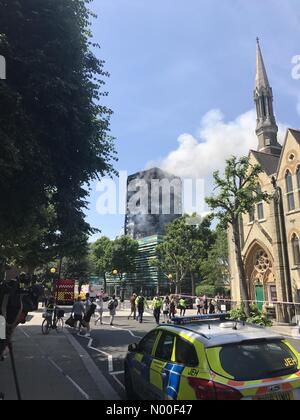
(280, 396)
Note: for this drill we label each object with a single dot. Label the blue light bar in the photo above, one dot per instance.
(200, 318)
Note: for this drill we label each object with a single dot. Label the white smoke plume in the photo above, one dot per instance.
(216, 140)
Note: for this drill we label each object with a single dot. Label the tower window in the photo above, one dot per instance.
(290, 191)
(260, 205)
(296, 249)
(298, 182)
(251, 215)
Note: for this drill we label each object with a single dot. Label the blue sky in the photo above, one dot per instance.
(186, 69)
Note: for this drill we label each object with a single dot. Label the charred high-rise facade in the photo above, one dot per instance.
(154, 200)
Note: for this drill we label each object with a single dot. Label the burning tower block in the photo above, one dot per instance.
(154, 199)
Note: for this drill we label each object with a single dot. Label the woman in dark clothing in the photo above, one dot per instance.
(172, 307)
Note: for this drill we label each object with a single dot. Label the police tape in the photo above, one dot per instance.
(220, 299)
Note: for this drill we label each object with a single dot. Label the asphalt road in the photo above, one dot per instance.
(108, 347)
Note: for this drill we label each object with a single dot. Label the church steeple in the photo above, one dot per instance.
(267, 128)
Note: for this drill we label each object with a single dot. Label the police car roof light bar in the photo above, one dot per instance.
(200, 318)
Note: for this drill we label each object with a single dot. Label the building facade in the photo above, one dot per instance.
(270, 235)
(154, 199)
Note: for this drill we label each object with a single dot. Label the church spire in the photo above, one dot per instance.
(266, 122)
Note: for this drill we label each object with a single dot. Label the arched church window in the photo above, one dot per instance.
(296, 249)
(262, 261)
(260, 205)
(290, 191)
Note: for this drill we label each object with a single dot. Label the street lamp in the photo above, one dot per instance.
(115, 273)
(170, 278)
(53, 270)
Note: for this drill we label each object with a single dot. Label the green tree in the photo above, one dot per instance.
(238, 193)
(123, 254)
(101, 255)
(215, 268)
(54, 127)
(183, 248)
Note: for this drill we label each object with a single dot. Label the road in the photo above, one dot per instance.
(108, 347)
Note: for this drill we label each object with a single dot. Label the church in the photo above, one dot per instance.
(270, 235)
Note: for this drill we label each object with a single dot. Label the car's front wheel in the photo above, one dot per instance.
(130, 394)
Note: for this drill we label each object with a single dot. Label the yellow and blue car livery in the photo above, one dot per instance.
(210, 358)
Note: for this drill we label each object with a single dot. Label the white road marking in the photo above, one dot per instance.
(118, 381)
(25, 333)
(123, 329)
(50, 360)
(84, 394)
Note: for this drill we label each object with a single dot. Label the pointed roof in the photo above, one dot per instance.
(261, 80)
(268, 162)
(296, 134)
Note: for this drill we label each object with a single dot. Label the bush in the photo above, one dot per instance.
(257, 317)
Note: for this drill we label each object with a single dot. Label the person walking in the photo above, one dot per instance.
(112, 307)
(205, 305)
(198, 304)
(133, 306)
(100, 308)
(141, 303)
(166, 309)
(172, 307)
(156, 306)
(87, 318)
(78, 313)
(182, 306)
(212, 307)
(88, 302)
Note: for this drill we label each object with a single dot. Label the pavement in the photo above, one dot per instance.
(67, 366)
(52, 367)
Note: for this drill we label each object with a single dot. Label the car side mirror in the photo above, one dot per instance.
(133, 348)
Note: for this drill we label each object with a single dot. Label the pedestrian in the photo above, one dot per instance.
(198, 304)
(172, 307)
(78, 312)
(87, 318)
(88, 302)
(156, 306)
(112, 307)
(182, 306)
(205, 305)
(141, 303)
(133, 306)
(211, 306)
(100, 308)
(166, 309)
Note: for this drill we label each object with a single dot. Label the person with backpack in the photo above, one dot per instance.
(156, 306)
(141, 302)
(133, 306)
(87, 318)
(112, 306)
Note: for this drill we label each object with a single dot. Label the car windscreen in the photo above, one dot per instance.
(253, 360)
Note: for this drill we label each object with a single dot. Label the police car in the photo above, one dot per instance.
(212, 358)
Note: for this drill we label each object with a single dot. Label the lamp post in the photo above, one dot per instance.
(170, 278)
(115, 273)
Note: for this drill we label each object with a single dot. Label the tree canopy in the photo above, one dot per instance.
(54, 126)
(237, 194)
